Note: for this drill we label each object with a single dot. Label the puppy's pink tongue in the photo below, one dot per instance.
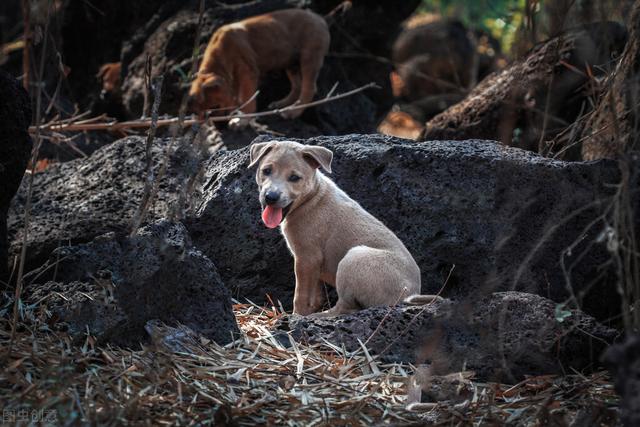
(272, 216)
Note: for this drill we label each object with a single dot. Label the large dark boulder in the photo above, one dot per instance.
(15, 147)
(476, 216)
(112, 286)
(76, 201)
(502, 337)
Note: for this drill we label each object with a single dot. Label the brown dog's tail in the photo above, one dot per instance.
(337, 11)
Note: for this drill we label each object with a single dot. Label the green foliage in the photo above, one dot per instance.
(507, 20)
(500, 18)
(561, 313)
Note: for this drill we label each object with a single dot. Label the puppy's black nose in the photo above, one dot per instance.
(271, 197)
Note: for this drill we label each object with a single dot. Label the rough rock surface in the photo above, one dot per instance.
(501, 337)
(114, 285)
(15, 147)
(488, 217)
(509, 105)
(76, 201)
(623, 361)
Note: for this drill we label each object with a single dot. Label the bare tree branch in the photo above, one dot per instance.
(95, 124)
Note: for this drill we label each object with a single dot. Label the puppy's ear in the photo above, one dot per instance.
(258, 150)
(318, 156)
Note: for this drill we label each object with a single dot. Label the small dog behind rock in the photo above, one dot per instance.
(109, 75)
(239, 54)
(332, 238)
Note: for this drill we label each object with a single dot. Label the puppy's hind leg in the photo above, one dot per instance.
(369, 277)
(346, 286)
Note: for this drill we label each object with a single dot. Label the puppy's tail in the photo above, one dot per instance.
(422, 299)
(337, 11)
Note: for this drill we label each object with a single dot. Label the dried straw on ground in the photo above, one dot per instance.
(254, 381)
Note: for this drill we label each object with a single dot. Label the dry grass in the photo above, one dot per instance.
(254, 381)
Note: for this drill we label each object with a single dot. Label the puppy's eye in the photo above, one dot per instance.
(266, 171)
(294, 178)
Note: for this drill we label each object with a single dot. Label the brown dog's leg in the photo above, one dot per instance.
(247, 88)
(310, 65)
(294, 93)
(307, 288)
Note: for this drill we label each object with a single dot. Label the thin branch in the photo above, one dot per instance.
(34, 158)
(247, 102)
(179, 125)
(26, 19)
(332, 90)
(92, 124)
(148, 185)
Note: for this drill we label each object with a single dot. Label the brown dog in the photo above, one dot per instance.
(109, 74)
(238, 54)
(332, 238)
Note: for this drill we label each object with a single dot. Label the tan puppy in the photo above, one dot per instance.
(238, 54)
(332, 238)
